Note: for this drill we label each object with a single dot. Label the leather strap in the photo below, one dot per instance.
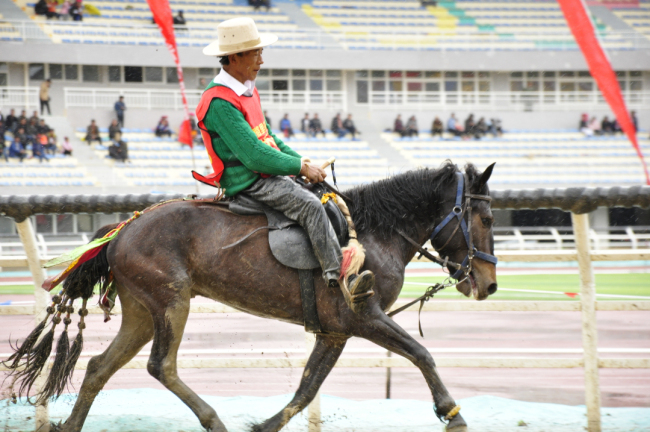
(308, 297)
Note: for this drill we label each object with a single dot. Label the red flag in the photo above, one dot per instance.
(185, 133)
(162, 14)
(583, 30)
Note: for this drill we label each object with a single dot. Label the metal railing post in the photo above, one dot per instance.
(313, 411)
(589, 332)
(28, 239)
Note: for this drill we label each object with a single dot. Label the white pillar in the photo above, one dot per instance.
(41, 297)
(589, 332)
(313, 411)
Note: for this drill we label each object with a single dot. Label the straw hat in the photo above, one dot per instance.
(238, 35)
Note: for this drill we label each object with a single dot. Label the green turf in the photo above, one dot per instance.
(635, 284)
(16, 289)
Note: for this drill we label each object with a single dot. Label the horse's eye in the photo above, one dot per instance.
(487, 222)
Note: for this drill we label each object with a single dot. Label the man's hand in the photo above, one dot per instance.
(312, 173)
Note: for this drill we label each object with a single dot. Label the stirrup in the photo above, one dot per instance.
(358, 289)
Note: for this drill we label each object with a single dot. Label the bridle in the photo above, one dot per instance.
(458, 211)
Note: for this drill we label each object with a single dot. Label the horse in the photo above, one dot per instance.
(168, 255)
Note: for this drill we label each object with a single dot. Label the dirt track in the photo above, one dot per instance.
(620, 387)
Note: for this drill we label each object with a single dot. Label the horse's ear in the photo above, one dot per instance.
(484, 177)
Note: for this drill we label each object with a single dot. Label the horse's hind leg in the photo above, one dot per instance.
(169, 324)
(135, 331)
(321, 361)
(377, 327)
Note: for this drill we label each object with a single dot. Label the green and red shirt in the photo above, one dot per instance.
(239, 132)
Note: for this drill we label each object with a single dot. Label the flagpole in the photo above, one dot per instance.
(162, 15)
(196, 184)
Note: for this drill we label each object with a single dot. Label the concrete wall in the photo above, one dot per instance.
(323, 59)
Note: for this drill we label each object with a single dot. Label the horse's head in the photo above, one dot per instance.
(454, 240)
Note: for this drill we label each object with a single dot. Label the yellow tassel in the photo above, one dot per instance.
(326, 197)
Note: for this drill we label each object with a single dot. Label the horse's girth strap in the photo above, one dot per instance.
(308, 298)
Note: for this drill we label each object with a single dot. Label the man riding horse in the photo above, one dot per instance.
(248, 158)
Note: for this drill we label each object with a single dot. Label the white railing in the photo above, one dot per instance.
(433, 38)
(500, 100)
(85, 97)
(508, 242)
(80, 97)
(19, 98)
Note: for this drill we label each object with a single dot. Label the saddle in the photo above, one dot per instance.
(291, 246)
(289, 242)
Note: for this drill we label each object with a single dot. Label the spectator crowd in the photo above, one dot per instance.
(590, 126)
(466, 130)
(64, 10)
(23, 137)
(313, 126)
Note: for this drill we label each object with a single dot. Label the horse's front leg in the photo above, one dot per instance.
(377, 327)
(321, 361)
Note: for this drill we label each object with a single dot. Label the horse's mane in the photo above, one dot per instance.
(402, 200)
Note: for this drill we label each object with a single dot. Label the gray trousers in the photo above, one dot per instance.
(285, 195)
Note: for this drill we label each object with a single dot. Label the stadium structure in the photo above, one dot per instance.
(511, 60)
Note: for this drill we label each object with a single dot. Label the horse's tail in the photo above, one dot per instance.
(30, 357)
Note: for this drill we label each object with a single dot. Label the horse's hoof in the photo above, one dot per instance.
(456, 424)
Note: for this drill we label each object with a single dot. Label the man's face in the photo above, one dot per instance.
(248, 65)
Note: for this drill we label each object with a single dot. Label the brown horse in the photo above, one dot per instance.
(173, 253)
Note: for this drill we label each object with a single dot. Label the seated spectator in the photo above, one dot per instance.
(348, 125)
(118, 150)
(31, 130)
(64, 12)
(66, 147)
(584, 125)
(43, 128)
(113, 129)
(163, 128)
(304, 125)
(179, 19)
(51, 9)
(594, 126)
(23, 115)
(268, 120)
(616, 127)
(337, 126)
(10, 120)
(34, 116)
(17, 149)
(453, 127)
(398, 126)
(38, 148)
(412, 127)
(40, 8)
(51, 143)
(257, 4)
(481, 127)
(470, 126)
(285, 126)
(495, 127)
(436, 127)
(76, 11)
(315, 126)
(92, 133)
(606, 126)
